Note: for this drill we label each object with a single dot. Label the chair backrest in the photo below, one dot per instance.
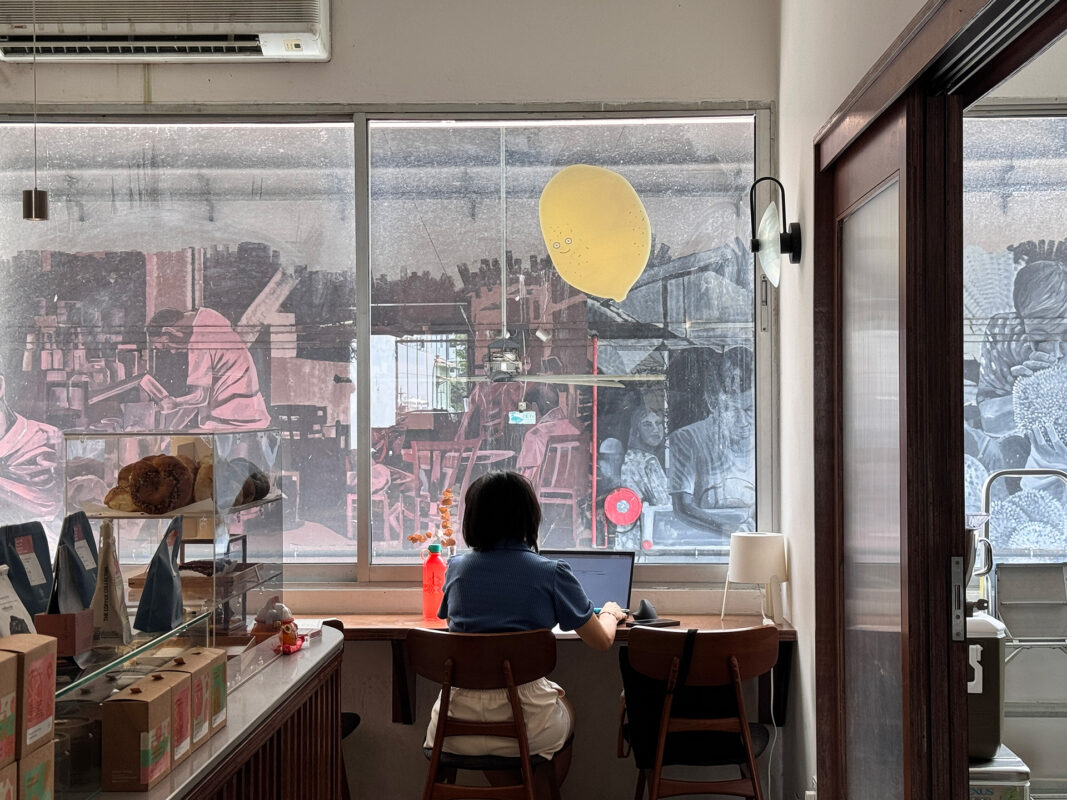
(440, 472)
(562, 462)
(477, 659)
(653, 652)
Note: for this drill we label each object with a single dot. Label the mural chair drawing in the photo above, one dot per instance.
(560, 475)
(439, 466)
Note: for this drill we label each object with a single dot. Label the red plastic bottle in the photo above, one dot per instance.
(433, 582)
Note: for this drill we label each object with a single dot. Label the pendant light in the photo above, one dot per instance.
(771, 241)
(34, 201)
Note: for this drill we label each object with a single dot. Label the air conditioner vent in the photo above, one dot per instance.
(132, 46)
(165, 30)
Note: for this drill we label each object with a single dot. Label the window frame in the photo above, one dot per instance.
(362, 572)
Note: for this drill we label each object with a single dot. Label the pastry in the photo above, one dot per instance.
(192, 465)
(204, 485)
(160, 484)
(119, 499)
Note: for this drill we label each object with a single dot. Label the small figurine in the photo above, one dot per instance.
(270, 619)
(290, 633)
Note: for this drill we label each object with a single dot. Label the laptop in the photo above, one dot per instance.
(604, 574)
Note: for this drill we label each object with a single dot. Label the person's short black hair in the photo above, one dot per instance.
(164, 318)
(500, 507)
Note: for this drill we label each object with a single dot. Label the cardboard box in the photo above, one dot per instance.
(37, 774)
(197, 664)
(73, 632)
(9, 781)
(218, 687)
(181, 742)
(135, 738)
(9, 689)
(36, 693)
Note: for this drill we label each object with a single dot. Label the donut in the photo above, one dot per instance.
(160, 484)
(119, 499)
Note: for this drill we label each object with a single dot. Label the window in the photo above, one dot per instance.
(258, 223)
(251, 225)
(663, 464)
(1015, 329)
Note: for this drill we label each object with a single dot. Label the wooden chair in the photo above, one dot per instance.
(560, 475)
(482, 661)
(684, 705)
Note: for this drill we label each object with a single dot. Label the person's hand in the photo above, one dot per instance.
(613, 608)
(1035, 362)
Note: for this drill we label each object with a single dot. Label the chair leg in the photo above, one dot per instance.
(640, 792)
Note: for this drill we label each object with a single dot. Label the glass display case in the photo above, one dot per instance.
(220, 491)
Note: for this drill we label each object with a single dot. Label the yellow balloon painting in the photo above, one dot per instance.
(596, 230)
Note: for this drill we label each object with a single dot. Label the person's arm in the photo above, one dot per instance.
(685, 506)
(599, 631)
(196, 398)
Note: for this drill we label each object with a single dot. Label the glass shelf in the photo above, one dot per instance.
(115, 657)
(187, 511)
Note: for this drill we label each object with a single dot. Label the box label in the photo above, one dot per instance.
(7, 728)
(201, 690)
(218, 694)
(155, 752)
(30, 562)
(35, 782)
(40, 698)
(182, 742)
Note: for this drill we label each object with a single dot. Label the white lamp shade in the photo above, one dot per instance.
(757, 558)
(770, 245)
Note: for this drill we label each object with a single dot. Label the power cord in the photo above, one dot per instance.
(774, 740)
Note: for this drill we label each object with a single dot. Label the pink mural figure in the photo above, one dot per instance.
(29, 461)
(222, 374)
(553, 422)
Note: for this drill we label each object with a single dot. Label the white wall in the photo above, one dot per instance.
(469, 51)
(827, 46)
(1040, 81)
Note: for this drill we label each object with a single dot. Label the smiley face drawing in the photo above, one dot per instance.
(596, 230)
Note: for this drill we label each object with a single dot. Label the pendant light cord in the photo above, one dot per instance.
(34, 70)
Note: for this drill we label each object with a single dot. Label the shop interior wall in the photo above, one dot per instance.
(468, 51)
(827, 46)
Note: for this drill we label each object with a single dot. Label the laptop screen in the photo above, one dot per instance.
(604, 574)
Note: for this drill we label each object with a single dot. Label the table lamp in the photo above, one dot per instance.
(758, 558)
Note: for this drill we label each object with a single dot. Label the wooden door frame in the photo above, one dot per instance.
(949, 56)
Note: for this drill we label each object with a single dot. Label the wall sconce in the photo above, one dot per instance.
(34, 201)
(769, 243)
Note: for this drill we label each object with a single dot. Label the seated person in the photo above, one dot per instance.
(501, 585)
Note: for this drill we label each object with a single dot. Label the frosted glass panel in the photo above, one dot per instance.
(1015, 329)
(873, 691)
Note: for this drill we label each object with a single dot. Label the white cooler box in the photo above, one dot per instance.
(1004, 777)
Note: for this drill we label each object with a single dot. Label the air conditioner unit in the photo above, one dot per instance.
(166, 30)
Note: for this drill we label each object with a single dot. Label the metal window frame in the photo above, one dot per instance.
(767, 349)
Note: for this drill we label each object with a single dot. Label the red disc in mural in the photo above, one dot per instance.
(622, 506)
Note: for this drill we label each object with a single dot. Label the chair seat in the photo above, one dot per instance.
(703, 748)
(454, 761)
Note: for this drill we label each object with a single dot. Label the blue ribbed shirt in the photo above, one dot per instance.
(511, 588)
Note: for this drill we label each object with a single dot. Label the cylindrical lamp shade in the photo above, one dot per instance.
(35, 204)
(757, 558)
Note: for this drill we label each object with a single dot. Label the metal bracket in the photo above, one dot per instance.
(959, 594)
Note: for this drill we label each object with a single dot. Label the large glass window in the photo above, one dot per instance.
(235, 243)
(244, 235)
(663, 464)
(1015, 330)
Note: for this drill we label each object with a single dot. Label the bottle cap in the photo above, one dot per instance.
(434, 548)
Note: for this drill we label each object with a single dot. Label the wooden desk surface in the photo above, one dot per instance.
(386, 627)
